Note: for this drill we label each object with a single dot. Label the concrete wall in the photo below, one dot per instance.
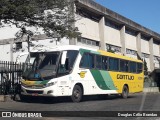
(131, 42)
(112, 36)
(8, 32)
(156, 49)
(5, 52)
(145, 46)
(88, 28)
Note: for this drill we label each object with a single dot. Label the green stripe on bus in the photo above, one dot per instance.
(108, 80)
(83, 50)
(41, 82)
(99, 79)
(103, 80)
(89, 51)
(37, 82)
(44, 81)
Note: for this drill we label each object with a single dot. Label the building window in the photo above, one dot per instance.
(112, 24)
(18, 45)
(156, 58)
(89, 15)
(156, 42)
(131, 32)
(113, 48)
(131, 52)
(145, 37)
(144, 55)
(88, 41)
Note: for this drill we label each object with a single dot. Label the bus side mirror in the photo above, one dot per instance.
(64, 56)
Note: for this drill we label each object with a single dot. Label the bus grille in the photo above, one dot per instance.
(32, 92)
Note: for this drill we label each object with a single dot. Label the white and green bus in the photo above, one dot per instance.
(77, 71)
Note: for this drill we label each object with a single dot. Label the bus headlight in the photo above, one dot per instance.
(51, 83)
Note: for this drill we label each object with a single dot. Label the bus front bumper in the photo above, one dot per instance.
(38, 92)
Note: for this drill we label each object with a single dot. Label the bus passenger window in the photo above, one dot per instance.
(72, 55)
(113, 64)
(69, 63)
(98, 62)
(84, 61)
(132, 67)
(139, 67)
(123, 66)
(87, 61)
(91, 61)
(104, 63)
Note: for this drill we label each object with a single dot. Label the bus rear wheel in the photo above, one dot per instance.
(77, 94)
(125, 92)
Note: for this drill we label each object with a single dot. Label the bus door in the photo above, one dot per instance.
(65, 67)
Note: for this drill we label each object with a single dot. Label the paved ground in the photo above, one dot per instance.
(134, 104)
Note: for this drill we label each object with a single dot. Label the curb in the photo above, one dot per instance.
(5, 98)
(151, 89)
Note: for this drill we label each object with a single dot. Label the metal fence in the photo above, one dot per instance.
(10, 75)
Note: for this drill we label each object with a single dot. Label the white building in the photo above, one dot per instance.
(100, 28)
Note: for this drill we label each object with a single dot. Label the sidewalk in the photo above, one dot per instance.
(4, 98)
(151, 89)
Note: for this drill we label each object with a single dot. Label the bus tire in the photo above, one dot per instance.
(125, 92)
(77, 94)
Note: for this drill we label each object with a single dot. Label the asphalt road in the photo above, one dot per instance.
(134, 104)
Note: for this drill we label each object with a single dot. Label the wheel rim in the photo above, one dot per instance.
(125, 92)
(76, 94)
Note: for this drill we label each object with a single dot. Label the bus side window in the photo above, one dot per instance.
(87, 61)
(98, 62)
(104, 63)
(113, 64)
(69, 63)
(72, 55)
(139, 67)
(91, 60)
(132, 67)
(123, 66)
(84, 61)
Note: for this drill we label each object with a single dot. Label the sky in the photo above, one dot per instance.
(143, 12)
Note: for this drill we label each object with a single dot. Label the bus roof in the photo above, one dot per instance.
(42, 48)
(75, 47)
(118, 56)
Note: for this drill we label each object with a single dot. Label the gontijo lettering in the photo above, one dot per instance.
(125, 77)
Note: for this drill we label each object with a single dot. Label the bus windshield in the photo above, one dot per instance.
(41, 65)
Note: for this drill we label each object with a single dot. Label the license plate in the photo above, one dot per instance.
(34, 94)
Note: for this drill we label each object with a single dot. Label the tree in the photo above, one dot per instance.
(145, 67)
(53, 16)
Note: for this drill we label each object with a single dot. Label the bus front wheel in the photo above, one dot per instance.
(76, 94)
(125, 92)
